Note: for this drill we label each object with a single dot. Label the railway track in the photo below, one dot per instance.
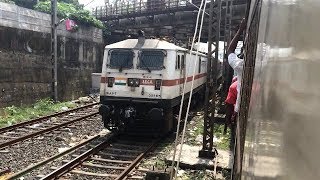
(28, 129)
(111, 157)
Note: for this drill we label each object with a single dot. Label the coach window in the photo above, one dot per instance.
(183, 65)
(178, 62)
(199, 70)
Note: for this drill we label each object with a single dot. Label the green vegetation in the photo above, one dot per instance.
(31, 3)
(43, 107)
(66, 9)
(196, 174)
(224, 139)
(196, 129)
(72, 11)
(25, 3)
(204, 175)
(7, 1)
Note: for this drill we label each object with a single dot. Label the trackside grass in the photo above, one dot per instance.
(12, 114)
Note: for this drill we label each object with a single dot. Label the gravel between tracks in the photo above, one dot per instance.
(31, 151)
(156, 159)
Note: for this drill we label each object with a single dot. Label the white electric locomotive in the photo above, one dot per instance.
(144, 79)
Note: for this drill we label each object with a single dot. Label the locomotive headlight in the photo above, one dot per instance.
(110, 81)
(133, 82)
(157, 85)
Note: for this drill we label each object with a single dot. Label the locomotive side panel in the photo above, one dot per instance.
(174, 85)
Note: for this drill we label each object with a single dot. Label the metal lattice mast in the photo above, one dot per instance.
(211, 84)
(226, 39)
(228, 24)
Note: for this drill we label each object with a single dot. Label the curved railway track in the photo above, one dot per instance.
(28, 129)
(112, 157)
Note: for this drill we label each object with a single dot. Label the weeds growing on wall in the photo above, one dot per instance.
(43, 107)
(66, 9)
(72, 11)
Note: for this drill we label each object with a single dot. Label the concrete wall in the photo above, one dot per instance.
(25, 60)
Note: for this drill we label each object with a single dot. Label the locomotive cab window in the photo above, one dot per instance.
(151, 60)
(121, 59)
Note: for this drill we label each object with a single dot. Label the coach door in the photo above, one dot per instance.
(183, 69)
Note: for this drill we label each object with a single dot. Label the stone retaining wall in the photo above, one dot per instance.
(25, 60)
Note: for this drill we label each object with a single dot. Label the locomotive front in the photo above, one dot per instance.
(132, 83)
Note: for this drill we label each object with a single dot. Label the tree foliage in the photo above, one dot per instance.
(25, 3)
(31, 3)
(73, 11)
(66, 9)
(7, 1)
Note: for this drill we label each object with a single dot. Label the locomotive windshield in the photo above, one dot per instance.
(121, 59)
(151, 60)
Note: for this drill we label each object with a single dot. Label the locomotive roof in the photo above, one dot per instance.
(148, 44)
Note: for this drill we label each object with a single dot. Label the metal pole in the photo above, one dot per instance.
(229, 74)
(225, 36)
(54, 49)
(225, 46)
(224, 60)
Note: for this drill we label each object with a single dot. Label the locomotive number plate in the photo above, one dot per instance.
(155, 95)
(111, 93)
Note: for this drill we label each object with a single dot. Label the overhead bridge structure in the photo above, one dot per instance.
(174, 19)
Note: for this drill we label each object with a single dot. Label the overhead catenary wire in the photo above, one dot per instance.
(183, 93)
(199, 8)
(203, 3)
(89, 3)
(190, 95)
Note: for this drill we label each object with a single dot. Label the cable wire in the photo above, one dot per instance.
(191, 90)
(190, 96)
(198, 7)
(89, 3)
(183, 93)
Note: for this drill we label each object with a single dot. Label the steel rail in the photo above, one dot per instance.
(77, 161)
(27, 170)
(8, 128)
(70, 165)
(137, 161)
(2, 145)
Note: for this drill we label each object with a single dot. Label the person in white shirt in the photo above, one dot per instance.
(236, 62)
